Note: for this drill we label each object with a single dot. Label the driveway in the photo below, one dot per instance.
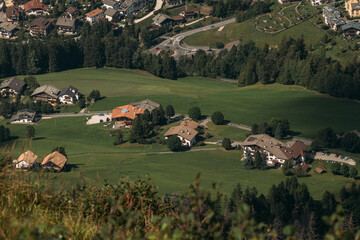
(332, 157)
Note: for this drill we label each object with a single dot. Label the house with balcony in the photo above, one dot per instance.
(275, 151)
(36, 8)
(46, 93)
(69, 95)
(40, 27)
(124, 116)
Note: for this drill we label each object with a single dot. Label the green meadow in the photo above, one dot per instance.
(307, 111)
(92, 155)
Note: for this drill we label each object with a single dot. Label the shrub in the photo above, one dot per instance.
(195, 113)
(174, 143)
(217, 118)
(335, 168)
(219, 45)
(353, 172)
(226, 143)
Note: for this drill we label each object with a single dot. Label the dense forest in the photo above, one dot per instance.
(134, 210)
(100, 45)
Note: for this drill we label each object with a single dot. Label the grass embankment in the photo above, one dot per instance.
(307, 111)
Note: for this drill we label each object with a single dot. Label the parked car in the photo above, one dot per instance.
(157, 49)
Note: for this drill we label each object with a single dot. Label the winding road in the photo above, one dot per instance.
(175, 43)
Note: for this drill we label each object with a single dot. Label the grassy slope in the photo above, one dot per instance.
(307, 111)
(90, 147)
(246, 31)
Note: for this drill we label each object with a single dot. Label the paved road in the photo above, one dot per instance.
(81, 114)
(159, 4)
(177, 41)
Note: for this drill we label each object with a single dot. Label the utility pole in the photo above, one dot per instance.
(198, 92)
(119, 167)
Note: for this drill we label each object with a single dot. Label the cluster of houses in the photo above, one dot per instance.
(123, 117)
(334, 20)
(275, 151)
(13, 87)
(41, 26)
(27, 160)
(161, 19)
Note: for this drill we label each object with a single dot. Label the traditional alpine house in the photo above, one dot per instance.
(46, 93)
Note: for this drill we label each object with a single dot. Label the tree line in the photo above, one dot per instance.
(100, 45)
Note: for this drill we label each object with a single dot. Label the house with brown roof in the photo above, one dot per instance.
(12, 86)
(26, 160)
(124, 116)
(276, 152)
(36, 8)
(46, 93)
(188, 14)
(40, 27)
(54, 160)
(94, 15)
(12, 14)
(66, 25)
(8, 29)
(163, 20)
(73, 12)
(186, 133)
(178, 20)
(320, 170)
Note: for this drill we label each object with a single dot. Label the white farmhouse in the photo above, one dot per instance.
(26, 160)
(25, 116)
(69, 95)
(186, 132)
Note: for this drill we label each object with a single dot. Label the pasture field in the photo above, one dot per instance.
(307, 111)
(92, 155)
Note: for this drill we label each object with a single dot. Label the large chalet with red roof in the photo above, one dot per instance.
(36, 8)
(124, 116)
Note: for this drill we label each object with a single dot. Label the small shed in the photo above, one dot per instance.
(54, 160)
(26, 160)
(320, 170)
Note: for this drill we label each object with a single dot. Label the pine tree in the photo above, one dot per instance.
(248, 162)
(279, 132)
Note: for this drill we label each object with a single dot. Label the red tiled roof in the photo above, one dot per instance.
(94, 13)
(35, 5)
(127, 111)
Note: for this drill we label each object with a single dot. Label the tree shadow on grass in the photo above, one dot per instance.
(39, 138)
(69, 167)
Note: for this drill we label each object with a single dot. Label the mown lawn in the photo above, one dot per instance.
(307, 111)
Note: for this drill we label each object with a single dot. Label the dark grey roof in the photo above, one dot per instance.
(70, 91)
(350, 25)
(13, 83)
(24, 114)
